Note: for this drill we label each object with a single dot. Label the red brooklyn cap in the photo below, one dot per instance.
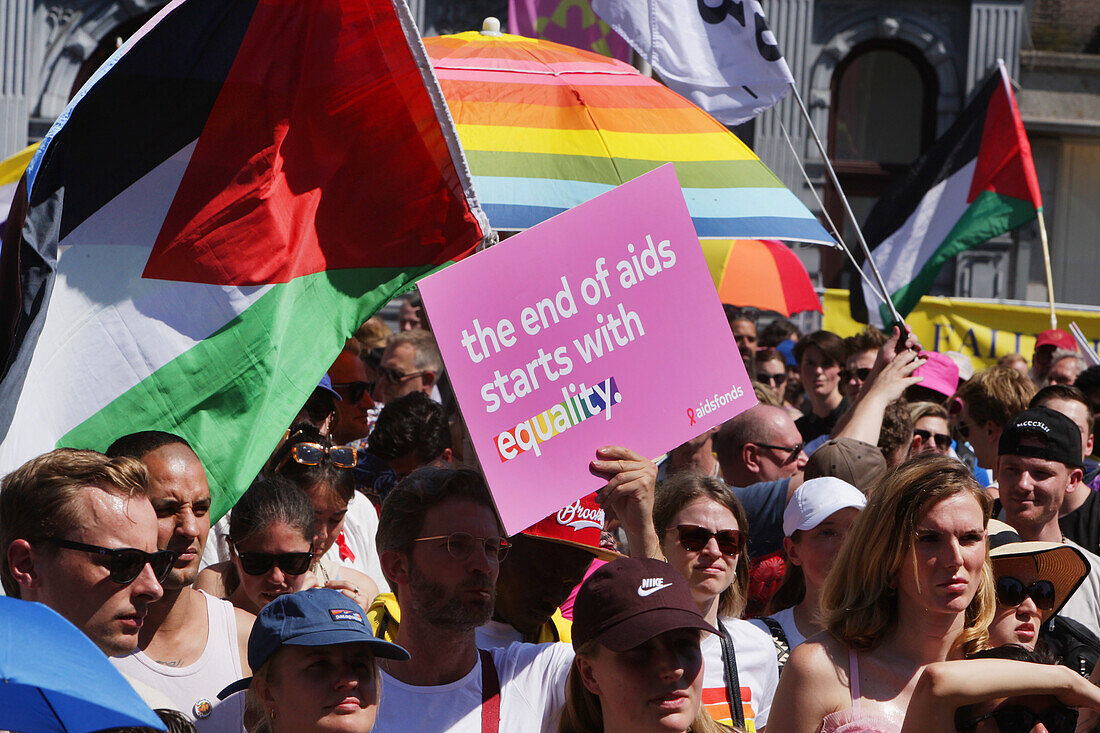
(577, 525)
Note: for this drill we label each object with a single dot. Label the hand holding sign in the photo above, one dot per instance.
(565, 337)
(629, 496)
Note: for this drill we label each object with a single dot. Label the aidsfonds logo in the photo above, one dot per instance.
(573, 410)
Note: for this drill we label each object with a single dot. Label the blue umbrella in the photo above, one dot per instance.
(53, 678)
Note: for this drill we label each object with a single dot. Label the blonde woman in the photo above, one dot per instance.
(702, 529)
(911, 586)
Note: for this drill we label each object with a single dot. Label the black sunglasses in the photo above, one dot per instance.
(1018, 719)
(396, 376)
(260, 563)
(354, 390)
(1012, 592)
(943, 440)
(860, 374)
(124, 563)
(693, 539)
(794, 450)
(776, 379)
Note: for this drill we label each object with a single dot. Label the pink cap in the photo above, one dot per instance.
(1056, 337)
(940, 373)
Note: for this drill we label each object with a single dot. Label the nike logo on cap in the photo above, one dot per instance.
(651, 585)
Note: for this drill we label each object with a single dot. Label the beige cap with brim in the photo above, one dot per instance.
(1063, 565)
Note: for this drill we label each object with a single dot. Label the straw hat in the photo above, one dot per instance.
(1063, 565)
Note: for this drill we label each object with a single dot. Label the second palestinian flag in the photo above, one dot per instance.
(977, 182)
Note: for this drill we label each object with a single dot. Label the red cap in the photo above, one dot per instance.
(1056, 337)
(577, 525)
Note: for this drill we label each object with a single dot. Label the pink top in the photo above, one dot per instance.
(853, 720)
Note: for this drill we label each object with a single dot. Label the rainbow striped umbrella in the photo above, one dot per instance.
(546, 127)
(760, 273)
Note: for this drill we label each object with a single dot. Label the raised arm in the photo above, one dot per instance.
(946, 686)
(629, 496)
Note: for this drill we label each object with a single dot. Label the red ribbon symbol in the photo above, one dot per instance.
(691, 415)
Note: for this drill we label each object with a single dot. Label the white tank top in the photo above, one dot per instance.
(194, 689)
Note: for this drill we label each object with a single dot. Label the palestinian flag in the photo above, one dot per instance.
(237, 189)
(977, 182)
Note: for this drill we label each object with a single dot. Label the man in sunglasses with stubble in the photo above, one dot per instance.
(192, 644)
(80, 536)
(1039, 465)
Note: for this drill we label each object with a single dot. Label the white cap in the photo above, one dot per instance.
(818, 499)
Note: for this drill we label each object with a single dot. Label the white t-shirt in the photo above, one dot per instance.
(1084, 605)
(532, 691)
(757, 673)
(496, 633)
(784, 618)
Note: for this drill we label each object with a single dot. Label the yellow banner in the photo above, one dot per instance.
(983, 331)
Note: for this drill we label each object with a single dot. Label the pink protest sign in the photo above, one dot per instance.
(598, 327)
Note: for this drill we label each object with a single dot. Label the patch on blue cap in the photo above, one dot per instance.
(345, 614)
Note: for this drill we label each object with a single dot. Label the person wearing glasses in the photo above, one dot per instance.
(859, 358)
(345, 519)
(192, 644)
(815, 524)
(702, 528)
(1033, 581)
(80, 536)
(771, 371)
(931, 431)
(410, 363)
(910, 586)
(356, 412)
(441, 546)
(270, 547)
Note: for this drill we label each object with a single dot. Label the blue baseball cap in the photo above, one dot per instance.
(312, 617)
(326, 384)
(786, 348)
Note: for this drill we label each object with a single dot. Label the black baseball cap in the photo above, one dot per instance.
(1059, 436)
(312, 617)
(629, 601)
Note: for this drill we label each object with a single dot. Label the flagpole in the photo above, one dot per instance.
(836, 232)
(847, 208)
(1046, 261)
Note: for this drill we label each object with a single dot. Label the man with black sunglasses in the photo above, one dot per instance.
(192, 644)
(80, 536)
(410, 363)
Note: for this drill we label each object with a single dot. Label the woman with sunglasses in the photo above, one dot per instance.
(815, 524)
(930, 429)
(910, 586)
(1007, 689)
(1033, 581)
(771, 371)
(270, 547)
(702, 528)
(345, 521)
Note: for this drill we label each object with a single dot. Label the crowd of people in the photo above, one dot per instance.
(890, 541)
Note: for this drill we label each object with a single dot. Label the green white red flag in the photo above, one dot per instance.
(238, 188)
(976, 182)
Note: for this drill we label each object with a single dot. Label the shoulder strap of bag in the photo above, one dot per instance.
(733, 685)
(490, 693)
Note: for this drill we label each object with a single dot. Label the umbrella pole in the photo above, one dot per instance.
(836, 232)
(848, 209)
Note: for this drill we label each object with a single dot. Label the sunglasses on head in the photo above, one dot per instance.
(1012, 592)
(124, 563)
(859, 374)
(311, 454)
(776, 379)
(943, 441)
(396, 376)
(354, 390)
(693, 539)
(260, 563)
(1018, 719)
